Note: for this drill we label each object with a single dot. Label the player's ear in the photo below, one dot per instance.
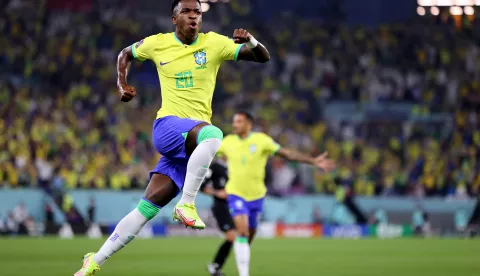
(174, 19)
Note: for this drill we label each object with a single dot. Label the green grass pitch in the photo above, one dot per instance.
(189, 256)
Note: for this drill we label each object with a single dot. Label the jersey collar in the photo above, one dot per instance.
(179, 41)
(246, 138)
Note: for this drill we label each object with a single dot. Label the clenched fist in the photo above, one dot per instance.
(127, 92)
(241, 36)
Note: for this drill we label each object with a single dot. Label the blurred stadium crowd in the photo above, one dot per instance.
(62, 125)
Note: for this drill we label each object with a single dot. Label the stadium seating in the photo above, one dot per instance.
(62, 126)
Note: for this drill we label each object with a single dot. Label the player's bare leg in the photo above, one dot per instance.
(241, 246)
(252, 232)
(215, 268)
(160, 191)
(202, 143)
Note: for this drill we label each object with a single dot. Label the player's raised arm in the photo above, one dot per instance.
(124, 61)
(252, 50)
(320, 161)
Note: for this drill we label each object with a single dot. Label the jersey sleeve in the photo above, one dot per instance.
(270, 146)
(229, 50)
(143, 49)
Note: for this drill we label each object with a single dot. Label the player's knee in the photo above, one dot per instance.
(160, 190)
(209, 132)
(230, 236)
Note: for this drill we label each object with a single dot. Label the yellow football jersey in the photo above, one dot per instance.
(247, 159)
(187, 73)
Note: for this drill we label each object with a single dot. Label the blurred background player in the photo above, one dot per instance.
(214, 184)
(247, 153)
(182, 132)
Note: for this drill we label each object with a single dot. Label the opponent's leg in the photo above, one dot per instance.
(207, 139)
(222, 253)
(241, 246)
(160, 191)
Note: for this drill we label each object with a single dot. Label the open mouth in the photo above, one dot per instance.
(193, 25)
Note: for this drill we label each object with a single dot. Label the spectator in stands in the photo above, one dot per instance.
(49, 215)
(427, 227)
(31, 226)
(11, 224)
(418, 220)
(421, 222)
(461, 220)
(379, 217)
(283, 177)
(317, 215)
(91, 211)
(20, 216)
(3, 227)
(74, 218)
(75, 136)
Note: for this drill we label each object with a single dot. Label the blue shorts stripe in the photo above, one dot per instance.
(143, 198)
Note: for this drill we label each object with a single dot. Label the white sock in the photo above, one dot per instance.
(197, 168)
(242, 255)
(124, 233)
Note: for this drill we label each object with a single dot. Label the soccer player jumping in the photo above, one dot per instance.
(247, 153)
(187, 63)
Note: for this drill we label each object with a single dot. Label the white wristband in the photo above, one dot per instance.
(252, 43)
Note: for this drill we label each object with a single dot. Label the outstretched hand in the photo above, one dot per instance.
(323, 162)
(241, 36)
(127, 92)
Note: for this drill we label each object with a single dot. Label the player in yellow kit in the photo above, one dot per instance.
(247, 153)
(187, 63)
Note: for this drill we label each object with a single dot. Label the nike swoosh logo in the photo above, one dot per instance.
(189, 222)
(85, 263)
(161, 63)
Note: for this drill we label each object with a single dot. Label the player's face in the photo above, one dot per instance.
(188, 17)
(241, 125)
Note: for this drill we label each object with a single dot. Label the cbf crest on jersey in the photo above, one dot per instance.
(253, 148)
(200, 59)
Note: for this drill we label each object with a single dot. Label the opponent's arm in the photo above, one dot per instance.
(209, 190)
(320, 161)
(252, 50)
(206, 186)
(222, 194)
(124, 61)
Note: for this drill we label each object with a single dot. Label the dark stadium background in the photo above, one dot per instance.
(391, 89)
